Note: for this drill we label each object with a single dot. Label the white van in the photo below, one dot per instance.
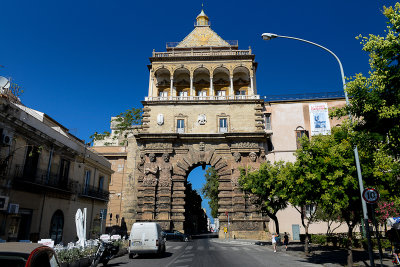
(146, 238)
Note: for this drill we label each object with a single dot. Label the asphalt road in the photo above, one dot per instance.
(212, 252)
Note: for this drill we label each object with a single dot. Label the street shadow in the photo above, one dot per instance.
(204, 236)
(118, 263)
(325, 254)
(153, 256)
(263, 243)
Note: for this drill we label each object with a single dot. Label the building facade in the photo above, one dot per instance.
(203, 109)
(46, 174)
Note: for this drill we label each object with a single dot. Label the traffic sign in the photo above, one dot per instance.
(225, 230)
(370, 195)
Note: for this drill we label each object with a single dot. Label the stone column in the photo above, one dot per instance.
(231, 93)
(192, 93)
(171, 91)
(211, 90)
(251, 86)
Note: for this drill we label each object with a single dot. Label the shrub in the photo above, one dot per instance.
(319, 239)
(74, 254)
(385, 243)
(343, 241)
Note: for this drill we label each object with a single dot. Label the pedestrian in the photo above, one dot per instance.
(285, 240)
(273, 240)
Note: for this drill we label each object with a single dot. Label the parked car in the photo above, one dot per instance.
(146, 238)
(176, 235)
(18, 254)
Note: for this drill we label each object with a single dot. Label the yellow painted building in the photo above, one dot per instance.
(46, 174)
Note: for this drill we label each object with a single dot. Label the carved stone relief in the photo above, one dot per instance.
(165, 171)
(160, 119)
(158, 145)
(140, 167)
(202, 119)
(245, 145)
(151, 170)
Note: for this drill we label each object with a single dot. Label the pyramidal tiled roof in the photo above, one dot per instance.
(202, 36)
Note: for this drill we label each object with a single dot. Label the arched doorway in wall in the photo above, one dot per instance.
(197, 208)
(57, 226)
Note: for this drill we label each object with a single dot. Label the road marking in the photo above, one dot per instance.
(247, 249)
(235, 249)
(188, 247)
(200, 248)
(188, 255)
(183, 260)
(223, 248)
(173, 247)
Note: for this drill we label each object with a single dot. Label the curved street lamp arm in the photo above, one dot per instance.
(333, 54)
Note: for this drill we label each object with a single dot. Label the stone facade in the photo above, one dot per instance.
(203, 109)
(46, 174)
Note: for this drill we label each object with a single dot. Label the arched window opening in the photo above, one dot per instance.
(182, 83)
(221, 82)
(241, 81)
(163, 84)
(201, 82)
(300, 132)
(56, 226)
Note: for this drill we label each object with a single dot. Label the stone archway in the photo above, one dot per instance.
(161, 183)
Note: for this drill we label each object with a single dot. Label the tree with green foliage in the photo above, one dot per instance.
(210, 190)
(124, 123)
(269, 186)
(375, 99)
(329, 219)
(327, 162)
(304, 190)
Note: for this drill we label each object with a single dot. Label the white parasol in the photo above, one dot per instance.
(80, 227)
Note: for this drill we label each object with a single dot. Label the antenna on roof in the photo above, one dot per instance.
(4, 83)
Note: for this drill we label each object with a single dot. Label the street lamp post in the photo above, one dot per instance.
(269, 36)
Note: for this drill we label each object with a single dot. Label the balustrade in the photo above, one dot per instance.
(202, 53)
(202, 98)
(39, 177)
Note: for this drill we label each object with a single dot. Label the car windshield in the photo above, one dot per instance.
(12, 261)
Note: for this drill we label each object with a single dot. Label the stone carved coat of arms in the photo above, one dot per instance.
(202, 119)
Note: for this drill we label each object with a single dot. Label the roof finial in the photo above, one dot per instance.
(202, 19)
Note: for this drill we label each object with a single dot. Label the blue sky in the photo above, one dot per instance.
(82, 62)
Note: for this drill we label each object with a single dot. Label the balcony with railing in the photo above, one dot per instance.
(202, 53)
(202, 98)
(37, 180)
(95, 193)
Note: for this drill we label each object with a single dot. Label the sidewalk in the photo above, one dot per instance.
(324, 255)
